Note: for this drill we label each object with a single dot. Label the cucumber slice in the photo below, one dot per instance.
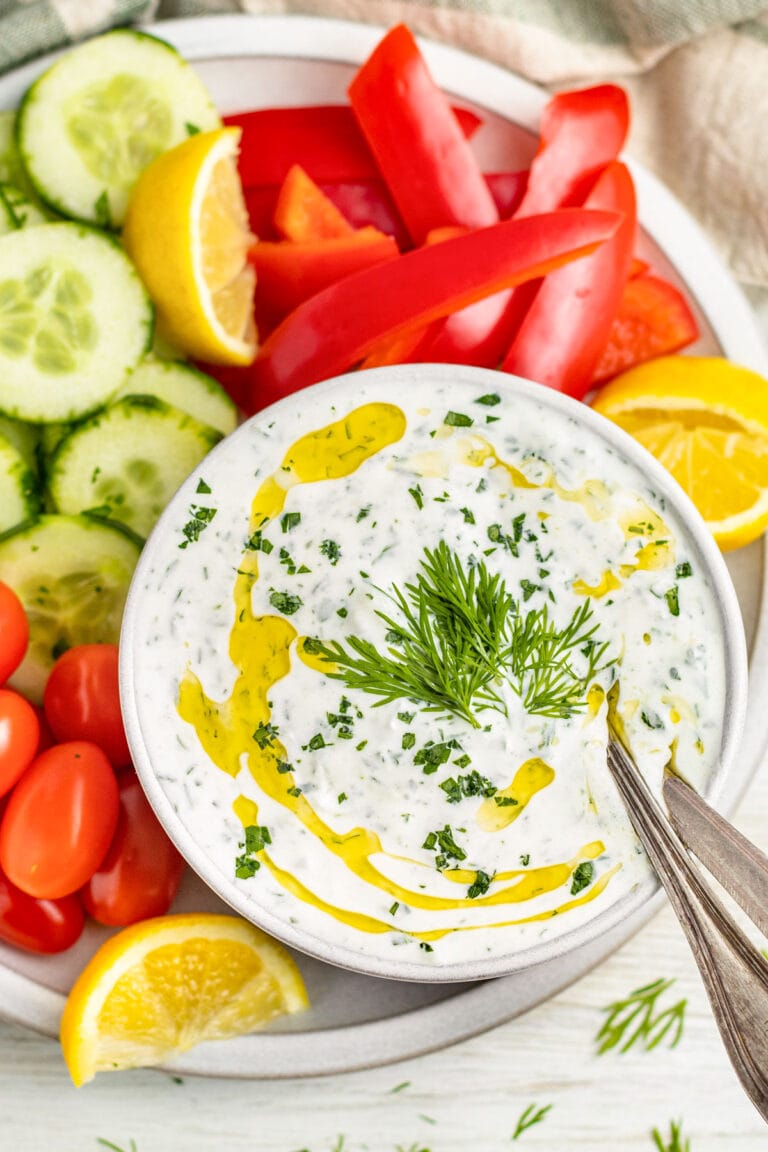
(19, 497)
(25, 439)
(186, 388)
(129, 460)
(72, 575)
(17, 210)
(74, 318)
(11, 168)
(51, 435)
(98, 116)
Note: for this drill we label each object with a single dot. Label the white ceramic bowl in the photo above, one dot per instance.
(162, 635)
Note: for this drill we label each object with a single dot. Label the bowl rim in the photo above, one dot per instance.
(502, 964)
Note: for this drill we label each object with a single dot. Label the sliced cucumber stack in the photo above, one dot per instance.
(91, 124)
(25, 439)
(72, 575)
(128, 461)
(186, 388)
(74, 319)
(19, 497)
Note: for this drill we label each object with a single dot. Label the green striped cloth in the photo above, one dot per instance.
(696, 70)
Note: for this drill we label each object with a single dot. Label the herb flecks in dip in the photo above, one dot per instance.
(397, 652)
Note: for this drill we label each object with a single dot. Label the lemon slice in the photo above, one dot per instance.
(186, 229)
(706, 420)
(160, 987)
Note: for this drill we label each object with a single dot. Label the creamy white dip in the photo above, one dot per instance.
(411, 827)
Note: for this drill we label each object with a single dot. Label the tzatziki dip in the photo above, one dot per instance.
(373, 643)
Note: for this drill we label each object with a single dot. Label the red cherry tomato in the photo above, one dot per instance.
(82, 701)
(60, 820)
(47, 738)
(14, 632)
(19, 737)
(140, 874)
(38, 925)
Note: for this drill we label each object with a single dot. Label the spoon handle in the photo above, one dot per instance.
(734, 861)
(734, 973)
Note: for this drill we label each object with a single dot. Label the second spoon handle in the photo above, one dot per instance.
(734, 861)
(734, 973)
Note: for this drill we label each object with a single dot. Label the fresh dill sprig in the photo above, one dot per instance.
(461, 636)
(675, 1143)
(532, 1115)
(540, 656)
(632, 1020)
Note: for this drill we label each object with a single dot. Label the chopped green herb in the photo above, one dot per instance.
(651, 719)
(394, 907)
(673, 600)
(532, 1115)
(583, 875)
(632, 1020)
(480, 886)
(418, 495)
(202, 487)
(449, 849)
(463, 761)
(201, 518)
(528, 589)
(285, 602)
(525, 859)
(256, 837)
(283, 766)
(192, 129)
(342, 796)
(316, 742)
(406, 717)
(312, 646)
(683, 570)
(425, 948)
(432, 755)
(290, 520)
(265, 734)
(332, 550)
(258, 543)
(365, 511)
(469, 516)
(473, 784)
(505, 801)
(342, 612)
(457, 420)
(409, 739)
(492, 419)
(491, 399)
(295, 791)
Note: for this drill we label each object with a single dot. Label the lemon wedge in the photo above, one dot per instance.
(706, 420)
(158, 988)
(186, 229)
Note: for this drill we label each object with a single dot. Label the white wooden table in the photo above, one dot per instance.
(469, 1096)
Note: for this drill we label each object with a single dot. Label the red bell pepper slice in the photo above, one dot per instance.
(654, 319)
(335, 329)
(323, 138)
(419, 148)
(289, 273)
(303, 212)
(567, 325)
(580, 132)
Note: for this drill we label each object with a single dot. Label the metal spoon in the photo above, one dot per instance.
(735, 973)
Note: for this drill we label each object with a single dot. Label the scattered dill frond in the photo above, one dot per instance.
(635, 1020)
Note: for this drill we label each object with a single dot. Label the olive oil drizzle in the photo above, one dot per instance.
(260, 648)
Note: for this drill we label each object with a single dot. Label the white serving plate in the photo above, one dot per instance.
(362, 1021)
